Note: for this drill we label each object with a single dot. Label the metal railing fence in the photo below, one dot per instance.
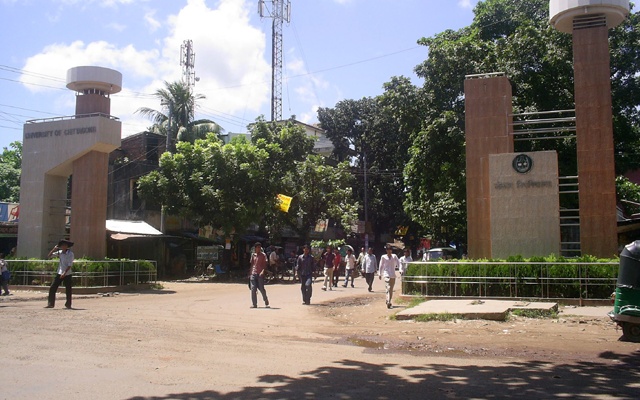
(544, 280)
(86, 273)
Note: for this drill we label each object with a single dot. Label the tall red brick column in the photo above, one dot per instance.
(596, 169)
(89, 204)
(488, 130)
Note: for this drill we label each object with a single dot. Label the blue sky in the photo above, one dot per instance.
(333, 50)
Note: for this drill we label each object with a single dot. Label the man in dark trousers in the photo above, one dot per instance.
(64, 274)
(305, 266)
(256, 279)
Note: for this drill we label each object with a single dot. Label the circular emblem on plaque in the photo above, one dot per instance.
(522, 163)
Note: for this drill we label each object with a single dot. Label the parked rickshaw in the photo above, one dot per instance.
(626, 309)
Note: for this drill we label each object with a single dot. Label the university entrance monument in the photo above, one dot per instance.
(77, 146)
(512, 198)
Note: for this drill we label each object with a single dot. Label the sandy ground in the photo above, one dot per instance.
(199, 340)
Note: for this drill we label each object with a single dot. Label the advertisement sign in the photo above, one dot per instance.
(9, 212)
(207, 253)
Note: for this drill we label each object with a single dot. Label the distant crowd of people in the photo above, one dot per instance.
(332, 264)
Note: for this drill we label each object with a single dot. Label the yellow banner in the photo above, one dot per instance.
(285, 202)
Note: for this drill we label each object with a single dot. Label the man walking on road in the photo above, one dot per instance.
(350, 265)
(337, 260)
(304, 266)
(329, 258)
(369, 267)
(388, 264)
(258, 265)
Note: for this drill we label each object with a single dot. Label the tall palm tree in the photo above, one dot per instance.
(181, 104)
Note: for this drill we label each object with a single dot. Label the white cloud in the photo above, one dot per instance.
(229, 54)
(466, 3)
(151, 21)
(117, 27)
(230, 63)
(304, 85)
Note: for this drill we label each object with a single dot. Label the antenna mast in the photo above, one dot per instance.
(187, 62)
(280, 12)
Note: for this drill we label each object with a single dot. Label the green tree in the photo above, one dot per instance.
(319, 191)
(10, 170)
(628, 194)
(235, 185)
(212, 184)
(367, 133)
(514, 37)
(178, 122)
(435, 178)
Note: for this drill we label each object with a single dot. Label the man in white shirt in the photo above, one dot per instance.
(64, 273)
(273, 261)
(404, 262)
(350, 265)
(388, 264)
(369, 267)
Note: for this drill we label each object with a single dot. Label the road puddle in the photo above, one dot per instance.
(369, 344)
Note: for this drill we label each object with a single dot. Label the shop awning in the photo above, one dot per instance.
(124, 229)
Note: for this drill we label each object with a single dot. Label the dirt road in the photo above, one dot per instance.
(202, 341)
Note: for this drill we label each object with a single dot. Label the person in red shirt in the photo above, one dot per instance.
(258, 265)
(336, 267)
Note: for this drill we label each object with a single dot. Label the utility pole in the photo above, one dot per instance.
(280, 12)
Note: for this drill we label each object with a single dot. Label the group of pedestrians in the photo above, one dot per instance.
(305, 268)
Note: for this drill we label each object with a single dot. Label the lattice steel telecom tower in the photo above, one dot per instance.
(188, 64)
(280, 12)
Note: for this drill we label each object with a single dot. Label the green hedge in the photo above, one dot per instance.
(89, 272)
(552, 277)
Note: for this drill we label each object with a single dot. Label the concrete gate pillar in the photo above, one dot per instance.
(488, 130)
(588, 21)
(78, 146)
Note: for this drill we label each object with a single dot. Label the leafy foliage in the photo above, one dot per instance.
(372, 134)
(10, 171)
(536, 277)
(178, 122)
(628, 193)
(514, 37)
(233, 186)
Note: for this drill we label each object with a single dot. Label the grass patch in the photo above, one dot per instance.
(535, 313)
(157, 286)
(443, 317)
(412, 302)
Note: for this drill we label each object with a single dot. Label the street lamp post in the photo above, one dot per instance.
(366, 217)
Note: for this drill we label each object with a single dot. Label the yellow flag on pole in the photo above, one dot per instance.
(285, 202)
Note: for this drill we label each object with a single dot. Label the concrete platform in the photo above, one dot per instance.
(496, 310)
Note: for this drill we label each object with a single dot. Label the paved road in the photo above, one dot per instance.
(201, 341)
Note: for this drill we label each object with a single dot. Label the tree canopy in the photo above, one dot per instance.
(424, 126)
(178, 122)
(10, 170)
(233, 186)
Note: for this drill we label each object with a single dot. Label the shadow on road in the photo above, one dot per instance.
(357, 380)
